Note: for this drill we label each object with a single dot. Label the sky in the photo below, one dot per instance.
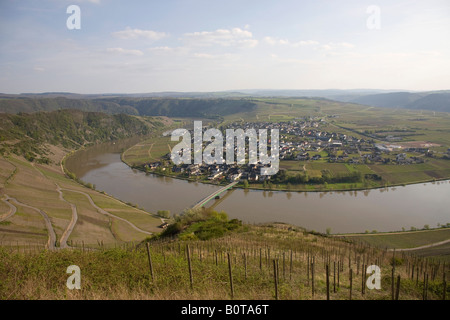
(210, 45)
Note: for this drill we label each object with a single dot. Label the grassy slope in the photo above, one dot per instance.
(404, 239)
(123, 273)
(35, 186)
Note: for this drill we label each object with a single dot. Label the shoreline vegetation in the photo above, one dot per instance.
(139, 164)
(366, 233)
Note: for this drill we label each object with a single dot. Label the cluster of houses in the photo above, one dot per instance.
(302, 140)
(214, 172)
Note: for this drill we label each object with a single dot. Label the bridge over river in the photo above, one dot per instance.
(202, 202)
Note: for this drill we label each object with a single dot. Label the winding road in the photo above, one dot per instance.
(106, 212)
(422, 247)
(51, 232)
(12, 210)
(73, 221)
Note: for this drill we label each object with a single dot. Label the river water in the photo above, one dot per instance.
(387, 209)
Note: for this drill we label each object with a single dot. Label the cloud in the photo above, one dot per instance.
(39, 69)
(306, 43)
(222, 37)
(91, 1)
(125, 51)
(161, 49)
(132, 34)
(203, 55)
(284, 42)
(338, 45)
(221, 57)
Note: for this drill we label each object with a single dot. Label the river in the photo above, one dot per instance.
(387, 209)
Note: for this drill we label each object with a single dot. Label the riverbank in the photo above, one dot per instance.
(279, 187)
(385, 209)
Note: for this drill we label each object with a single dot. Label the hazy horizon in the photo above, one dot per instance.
(205, 46)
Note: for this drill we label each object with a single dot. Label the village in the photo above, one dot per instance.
(301, 140)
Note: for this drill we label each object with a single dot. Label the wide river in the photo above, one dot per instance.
(387, 209)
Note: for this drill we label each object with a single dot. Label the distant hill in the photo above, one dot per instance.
(207, 108)
(436, 101)
(388, 100)
(27, 134)
(171, 107)
(212, 104)
(21, 103)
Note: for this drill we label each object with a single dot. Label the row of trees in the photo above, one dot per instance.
(326, 177)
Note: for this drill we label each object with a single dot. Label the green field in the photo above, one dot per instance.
(403, 240)
(351, 119)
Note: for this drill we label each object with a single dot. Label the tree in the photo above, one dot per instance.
(164, 213)
(245, 184)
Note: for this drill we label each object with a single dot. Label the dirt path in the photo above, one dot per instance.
(51, 233)
(383, 233)
(150, 152)
(422, 247)
(12, 211)
(106, 212)
(73, 221)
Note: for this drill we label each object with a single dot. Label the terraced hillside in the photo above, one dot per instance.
(40, 206)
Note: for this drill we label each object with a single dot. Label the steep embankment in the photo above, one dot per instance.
(27, 134)
(42, 207)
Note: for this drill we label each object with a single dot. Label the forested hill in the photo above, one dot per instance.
(28, 134)
(435, 101)
(172, 107)
(24, 104)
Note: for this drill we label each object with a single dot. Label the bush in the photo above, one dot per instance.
(398, 261)
(164, 213)
(203, 224)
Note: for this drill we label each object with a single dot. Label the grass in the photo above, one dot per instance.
(150, 150)
(123, 272)
(406, 239)
(350, 119)
(90, 226)
(36, 186)
(24, 228)
(440, 252)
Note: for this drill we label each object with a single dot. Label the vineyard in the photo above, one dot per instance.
(264, 262)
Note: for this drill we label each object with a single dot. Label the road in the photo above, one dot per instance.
(422, 247)
(51, 233)
(73, 221)
(12, 210)
(202, 202)
(106, 212)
